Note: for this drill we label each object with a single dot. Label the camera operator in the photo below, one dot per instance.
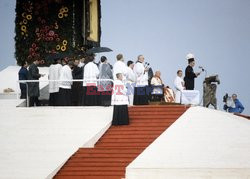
(235, 107)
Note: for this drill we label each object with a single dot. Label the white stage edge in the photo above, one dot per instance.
(36, 142)
(201, 144)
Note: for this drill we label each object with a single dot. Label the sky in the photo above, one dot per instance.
(164, 31)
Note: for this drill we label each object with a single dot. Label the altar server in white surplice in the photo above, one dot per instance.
(130, 82)
(120, 67)
(179, 86)
(90, 75)
(65, 84)
(141, 73)
(54, 74)
(120, 102)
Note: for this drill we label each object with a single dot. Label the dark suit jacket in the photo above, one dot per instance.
(189, 78)
(33, 90)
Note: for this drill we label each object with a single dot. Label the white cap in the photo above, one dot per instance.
(190, 55)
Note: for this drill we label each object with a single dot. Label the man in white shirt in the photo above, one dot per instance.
(179, 86)
(54, 74)
(90, 75)
(120, 67)
(65, 86)
(130, 82)
(141, 73)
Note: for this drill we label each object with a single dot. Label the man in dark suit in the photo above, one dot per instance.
(33, 87)
(189, 73)
(23, 75)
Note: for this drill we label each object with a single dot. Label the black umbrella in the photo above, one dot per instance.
(98, 50)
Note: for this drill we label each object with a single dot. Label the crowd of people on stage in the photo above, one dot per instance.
(101, 84)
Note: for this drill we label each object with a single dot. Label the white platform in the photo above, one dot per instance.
(9, 78)
(201, 144)
(35, 142)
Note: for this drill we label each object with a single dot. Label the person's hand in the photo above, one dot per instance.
(198, 73)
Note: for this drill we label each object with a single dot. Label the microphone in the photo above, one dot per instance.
(146, 65)
(201, 68)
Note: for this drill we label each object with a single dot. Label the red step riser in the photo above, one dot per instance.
(117, 155)
(129, 128)
(89, 164)
(88, 177)
(155, 112)
(108, 151)
(81, 169)
(134, 132)
(171, 117)
(91, 173)
(102, 160)
(131, 136)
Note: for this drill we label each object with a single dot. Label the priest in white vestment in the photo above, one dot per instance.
(90, 76)
(179, 86)
(54, 74)
(130, 82)
(65, 84)
(141, 89)
(120, 67)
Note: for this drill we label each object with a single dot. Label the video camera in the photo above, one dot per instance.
(228, 100)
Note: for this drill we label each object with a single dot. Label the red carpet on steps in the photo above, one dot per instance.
(120, 145)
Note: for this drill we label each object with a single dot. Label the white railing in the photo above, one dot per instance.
(90, 81)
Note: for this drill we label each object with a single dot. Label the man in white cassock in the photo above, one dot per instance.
(120, 67)
(179, 86)
(90, 76)
(141, 89)
(54, 74)
(120, 102)
(130, 82)
(65, 85)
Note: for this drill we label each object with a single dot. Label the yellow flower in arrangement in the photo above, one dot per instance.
(29, 17)
(23, 28)
(25, 21)
(24, 14)
(61, 10)
(60, 15)
(58, 47)
(65, 42)
(66, 9)
(63, 48)
(22, 33)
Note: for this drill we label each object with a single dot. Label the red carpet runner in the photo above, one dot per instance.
(120, 145)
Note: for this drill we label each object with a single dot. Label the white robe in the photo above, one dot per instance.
(119, 94)
(120, 67)
(91, 73)
(141, 77)
(66, 74)
(179, 87)
(54, 74)
(130, 83)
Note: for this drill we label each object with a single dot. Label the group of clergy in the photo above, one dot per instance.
(100, 84)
